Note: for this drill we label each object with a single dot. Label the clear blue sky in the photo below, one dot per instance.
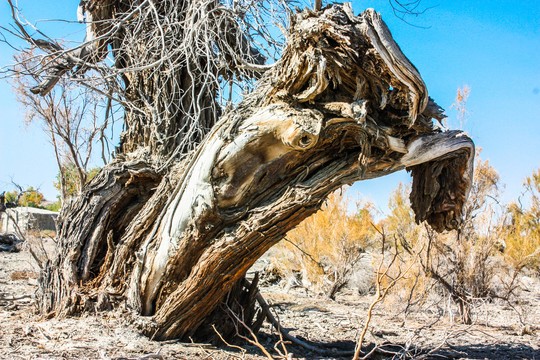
(493, 46)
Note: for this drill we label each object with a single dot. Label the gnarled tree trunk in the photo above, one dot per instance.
(170, 240)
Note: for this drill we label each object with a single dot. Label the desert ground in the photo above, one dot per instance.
(501, 330)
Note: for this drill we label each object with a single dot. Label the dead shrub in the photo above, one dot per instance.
(459, 264)
(23, 275)
(522, 228)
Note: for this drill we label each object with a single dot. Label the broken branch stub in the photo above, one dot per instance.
(343, 104)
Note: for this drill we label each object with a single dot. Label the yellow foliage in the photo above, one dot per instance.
(403, 233)
(460, 104)
(400, 222)
(326, 246)
(30, 197)
(522, 234)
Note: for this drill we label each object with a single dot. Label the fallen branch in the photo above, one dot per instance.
(254, 341)
(272, 319)
(15, 298)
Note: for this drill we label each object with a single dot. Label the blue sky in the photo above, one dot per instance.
(493, 46)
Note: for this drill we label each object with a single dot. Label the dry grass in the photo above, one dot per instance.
(23, 275)
(522, 230)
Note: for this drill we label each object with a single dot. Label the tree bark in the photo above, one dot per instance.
(343, 104)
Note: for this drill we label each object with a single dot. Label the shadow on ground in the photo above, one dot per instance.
(345, 350)
(494, 351)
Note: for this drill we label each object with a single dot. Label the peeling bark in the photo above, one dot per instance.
(343, 104)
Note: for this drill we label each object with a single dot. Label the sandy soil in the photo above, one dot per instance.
(433, 332)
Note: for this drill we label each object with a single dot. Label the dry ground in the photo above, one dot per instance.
(497, 332)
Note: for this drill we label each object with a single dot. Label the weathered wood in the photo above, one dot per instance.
(343, 104)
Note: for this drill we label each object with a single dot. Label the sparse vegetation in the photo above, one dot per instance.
(327, 246)
(461, 262)
(68, 181)
(479, 261)
(522, 228)
(70, 115)
(29, 197)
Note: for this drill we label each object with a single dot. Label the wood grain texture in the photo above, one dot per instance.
(343, 104)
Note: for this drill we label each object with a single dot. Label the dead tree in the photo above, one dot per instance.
(69, 116)
(194, 196)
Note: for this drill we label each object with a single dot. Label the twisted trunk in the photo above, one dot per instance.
(343, 104)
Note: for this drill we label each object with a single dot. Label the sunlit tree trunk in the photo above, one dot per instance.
(170, 236)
